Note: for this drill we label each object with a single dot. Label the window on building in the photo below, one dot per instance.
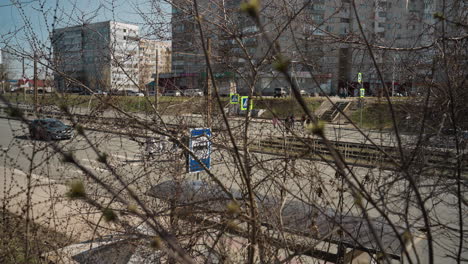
(179, 28)
(344, 30)
(317, 18)
(382, 14)
(250, 29)
(344, 20)
(318, 7)
(125, 30)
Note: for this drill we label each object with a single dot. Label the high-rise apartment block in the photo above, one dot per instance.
(322, 39)
(152, 53)
(106, 56)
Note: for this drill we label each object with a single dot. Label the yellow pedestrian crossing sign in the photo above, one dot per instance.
(362, 92)
(234, 98)
(244, 103)
(359, 77)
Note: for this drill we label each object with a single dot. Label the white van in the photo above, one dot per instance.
(193, 92)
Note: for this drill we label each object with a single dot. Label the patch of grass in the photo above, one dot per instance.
(284, 107)
(374, 116)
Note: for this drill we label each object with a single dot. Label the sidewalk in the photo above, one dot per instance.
(50, 207)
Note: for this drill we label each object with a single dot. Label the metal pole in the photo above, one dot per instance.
(24, 89)
(361, 112)
(35, 85)
(208, 87)
(393, 78)
(156, 81)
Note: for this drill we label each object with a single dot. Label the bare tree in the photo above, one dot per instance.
(293, 192)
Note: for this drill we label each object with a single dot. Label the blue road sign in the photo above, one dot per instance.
(245, 102)
(200, 145)
(234, 98)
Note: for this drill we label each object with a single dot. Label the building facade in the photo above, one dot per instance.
(322, 39)
(101, 56)
(152, 53)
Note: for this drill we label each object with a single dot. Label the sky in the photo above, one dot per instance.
(24, 22)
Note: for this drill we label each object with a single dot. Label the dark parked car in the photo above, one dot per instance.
(49, 128)
(280, 92)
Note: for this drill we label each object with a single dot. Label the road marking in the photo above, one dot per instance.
(41, 178)
(95, 168)
(120, 156)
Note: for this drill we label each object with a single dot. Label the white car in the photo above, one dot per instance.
(172, 93)
(193, 92)
(304, 93)
(134, 93)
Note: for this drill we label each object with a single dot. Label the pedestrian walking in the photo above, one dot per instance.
(292, 120)
(287, 124)
(303, 120)
(307, 122)
(163, 144)
(275, 121)
(150, 147)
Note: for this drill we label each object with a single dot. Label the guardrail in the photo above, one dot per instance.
(359, 154)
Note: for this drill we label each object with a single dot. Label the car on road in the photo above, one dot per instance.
(172, 93)
(280, 92)
(193, 92)
(133, 93)
(304, 93)
(49, 129)
(99, 92)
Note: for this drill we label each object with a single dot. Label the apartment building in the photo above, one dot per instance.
(324, 42)
(152, 53)
(102, 56)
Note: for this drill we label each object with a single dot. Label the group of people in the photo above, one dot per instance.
(290, 122)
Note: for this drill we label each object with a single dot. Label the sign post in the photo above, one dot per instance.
(200, 146)
(362, 93)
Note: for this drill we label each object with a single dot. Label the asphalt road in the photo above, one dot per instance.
(21, 153)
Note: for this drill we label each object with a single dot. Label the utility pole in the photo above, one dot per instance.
(208, 86)
(393, 77)
(156, 81)
(23, 77)
(35, 85)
